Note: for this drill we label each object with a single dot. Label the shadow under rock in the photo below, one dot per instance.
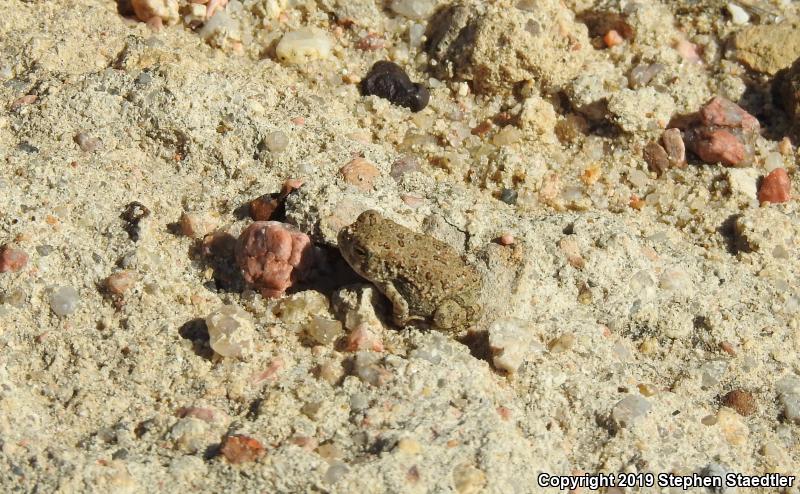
(733, 242)
(196, 331)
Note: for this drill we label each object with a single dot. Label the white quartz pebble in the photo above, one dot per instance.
(231, 331)
(303, 46)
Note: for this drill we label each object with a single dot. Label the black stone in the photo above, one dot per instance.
(389, 81)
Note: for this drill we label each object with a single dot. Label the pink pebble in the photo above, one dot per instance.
(724, 113)
(362, 338)
(273, 256)
(506, 239)
(688, 51)
(719, 146)
(11, 259)
(776, 187)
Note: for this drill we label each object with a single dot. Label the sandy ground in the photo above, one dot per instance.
(627, 309)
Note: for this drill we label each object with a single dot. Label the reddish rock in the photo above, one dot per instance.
(238, 448)
(723, 113)
(740, 400)
(718, 146)
(270, 206)
(775, 187)
(273, 256)
(12, 260)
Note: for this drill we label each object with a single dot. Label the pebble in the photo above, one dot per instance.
(629, 410)
(44, 250)
(509, 196)
(120, 282)
(364, 338)
(642, 74)
(775, 188)
(164, 10)
(360, 173)
(87, 143)
(276, 141)
(512, 342)
(740, 400)
(238, 448)
(389, 81)
(718, 146)
(16, 297)
(405, 164)
(324, 331)
(273, 256)
(26, 100)
(231, 331)
(506, 239)
(788, 389)
(562, 344)
(198, 225)
(573, 252)
(367, 367)
(613, 38)
(303, 46)
(672, 140)
(724, 113)
(739, 16)
(414, 9)
(733, 429)
(12, 260)
(656, 158)
(468, 479)
(508, 135)
(64, 300)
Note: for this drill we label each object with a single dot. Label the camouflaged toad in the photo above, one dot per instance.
(424, 278)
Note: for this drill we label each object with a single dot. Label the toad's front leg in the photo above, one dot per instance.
(400, 310)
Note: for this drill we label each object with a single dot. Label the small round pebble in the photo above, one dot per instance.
(740, 400)
(120, 282)
(509, 196)
(231, 332)
(360, 173)
(64, 300)
(276, 141)
(506, 239)
(87, 143)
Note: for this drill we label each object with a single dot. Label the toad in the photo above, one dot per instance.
(424, 278)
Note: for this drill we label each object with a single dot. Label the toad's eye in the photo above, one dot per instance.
(360, 251)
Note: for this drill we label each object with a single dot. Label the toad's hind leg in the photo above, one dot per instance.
(450, 315)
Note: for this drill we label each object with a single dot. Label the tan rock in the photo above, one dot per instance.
(768, 48)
